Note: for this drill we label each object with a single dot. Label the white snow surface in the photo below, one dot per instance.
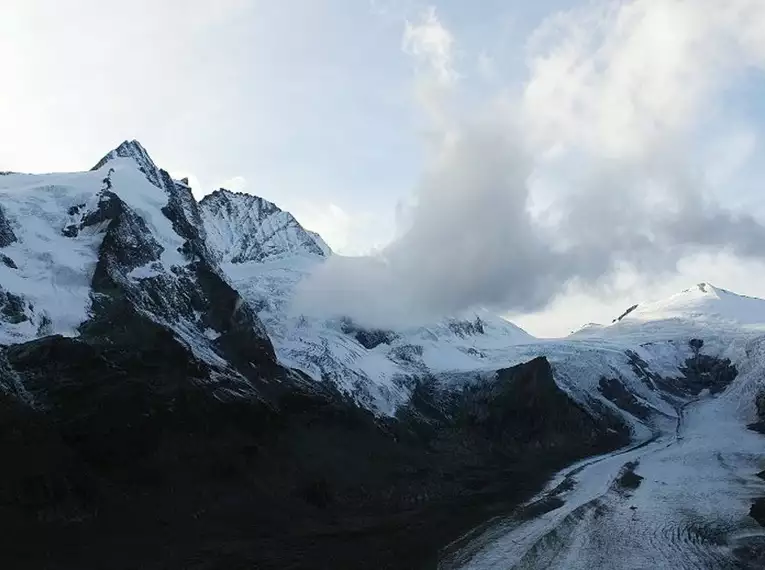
(242, 227)
(54, 271)
(705, 303)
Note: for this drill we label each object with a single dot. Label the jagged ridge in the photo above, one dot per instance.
(243, 227)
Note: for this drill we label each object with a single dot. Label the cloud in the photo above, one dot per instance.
(90, 74)
(593, 169)
(235, 184)
(619, 77)
(346, 232)
(432, 46)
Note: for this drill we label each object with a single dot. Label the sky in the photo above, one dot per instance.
(556, 161)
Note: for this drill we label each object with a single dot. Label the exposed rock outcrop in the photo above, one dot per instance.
(7, 236)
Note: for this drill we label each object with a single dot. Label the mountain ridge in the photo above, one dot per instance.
(244, 227)
(156, 383)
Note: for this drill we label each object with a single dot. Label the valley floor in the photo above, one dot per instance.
(687, 508)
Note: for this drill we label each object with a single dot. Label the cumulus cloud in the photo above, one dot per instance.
(595, 167)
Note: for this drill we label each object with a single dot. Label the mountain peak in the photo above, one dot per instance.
(134, 150)
(244, 227)
(706, 287)
(702, 302)
(129, 149)
(222, 195)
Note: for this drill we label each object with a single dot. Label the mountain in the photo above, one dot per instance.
(703, 302)
(265, 254)
(243, 228)
(123, 242)
(156, 382)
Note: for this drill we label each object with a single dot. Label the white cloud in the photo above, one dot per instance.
(235, 184)
(432, 46)
(623, 78)
(607, 128)
(346, 232)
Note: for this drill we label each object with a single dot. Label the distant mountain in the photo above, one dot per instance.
(704, 302)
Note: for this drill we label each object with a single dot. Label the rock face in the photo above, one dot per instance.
(524, 406)
(617, 393)
(757, 511)
(130, 432)
(7, 237)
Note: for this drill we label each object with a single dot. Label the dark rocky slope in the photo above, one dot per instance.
(127, 460)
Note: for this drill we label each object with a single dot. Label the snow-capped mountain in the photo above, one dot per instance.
(146, 333)
(88, 251)
(127, 230)
(373, 366)
(703, 302)
(242, 228)
(75, 243)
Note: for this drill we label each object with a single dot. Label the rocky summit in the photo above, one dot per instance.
(163, 405)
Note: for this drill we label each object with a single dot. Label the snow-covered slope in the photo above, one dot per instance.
(702, 311)
(45, 276)
(704, 302)
(242, 227)
(375, 367)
